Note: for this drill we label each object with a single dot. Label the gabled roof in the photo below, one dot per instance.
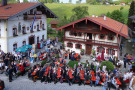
(14, 9)
(109, 24)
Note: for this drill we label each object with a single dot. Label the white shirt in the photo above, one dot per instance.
(97, 63)
(104, 68)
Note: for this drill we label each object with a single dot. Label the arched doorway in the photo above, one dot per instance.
(31, 40)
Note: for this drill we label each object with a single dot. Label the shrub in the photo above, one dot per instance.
(72, 63)
(43, 62)
(109, 65)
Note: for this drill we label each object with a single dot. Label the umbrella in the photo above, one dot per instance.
(27, 46)
(102, 55)
(47, 50)
(21, 50)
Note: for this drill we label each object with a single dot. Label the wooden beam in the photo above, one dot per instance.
(100, 27)
(86, 21)
(73, 25)
(117, 35)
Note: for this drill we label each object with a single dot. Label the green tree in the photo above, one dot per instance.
(70, 1)
(25, 1)
(117, 15)
(108, 14)
(131, 13)
(80, 11)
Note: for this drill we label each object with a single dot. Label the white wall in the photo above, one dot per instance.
(105, 54)
(74, 49)
(106, 40)
(7, 40)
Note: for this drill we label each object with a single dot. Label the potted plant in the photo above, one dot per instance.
(82, 51)
(93, 52)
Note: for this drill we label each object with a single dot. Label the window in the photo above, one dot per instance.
(79, 34)
(0, 32)
(110, 51)
(70, 45)
(37, 39)
(14, 31)
(110, 37)
(43, 27)
(38, 28)
(19, 27)
(31, 11)
(24, 43)
(100, 49)
(43, 37)
(14, 46)
(23, 30)
(71, 33)
(0, 47)
(78, 46)
(102, 36)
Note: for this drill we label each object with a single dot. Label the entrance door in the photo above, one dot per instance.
(90, 35)
(88, 49)
(31, 40)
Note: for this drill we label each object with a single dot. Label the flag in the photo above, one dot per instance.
(33, 22)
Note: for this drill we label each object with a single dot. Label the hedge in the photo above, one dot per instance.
(72, 63)
(109, 65)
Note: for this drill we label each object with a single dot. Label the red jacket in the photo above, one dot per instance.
(22, 68)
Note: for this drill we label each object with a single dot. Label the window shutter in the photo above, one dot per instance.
(97, 49)
(107, 51)
(104, 50)
(75, 45)
(104, 37)
(113, 52)
(113, 37)
(81, 34)
(72, 45)
(80, 46)
(69, 33)
(99, 36)
(67, 45)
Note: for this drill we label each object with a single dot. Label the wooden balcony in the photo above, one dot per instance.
(31, 16)
(92, 42)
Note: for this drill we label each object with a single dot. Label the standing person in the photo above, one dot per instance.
(10, 72)
(105, 85)
(92, 66)
(125, 59)
(109, 82)
(22, 70)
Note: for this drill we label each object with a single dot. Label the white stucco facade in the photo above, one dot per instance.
(94, 37)
(6, 26)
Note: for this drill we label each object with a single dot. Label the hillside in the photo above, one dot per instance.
(66, 9)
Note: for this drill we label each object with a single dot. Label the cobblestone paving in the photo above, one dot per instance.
(23, 83)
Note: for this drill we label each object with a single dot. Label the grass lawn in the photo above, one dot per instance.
(66, 9)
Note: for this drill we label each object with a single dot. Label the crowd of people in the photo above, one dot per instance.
(59, 71)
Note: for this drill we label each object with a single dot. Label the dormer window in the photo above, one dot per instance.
(31, 11)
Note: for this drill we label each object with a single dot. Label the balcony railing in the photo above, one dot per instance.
(90, 41)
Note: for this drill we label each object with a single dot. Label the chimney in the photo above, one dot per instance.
(4, 2)
(104, 17)
(93, 15)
